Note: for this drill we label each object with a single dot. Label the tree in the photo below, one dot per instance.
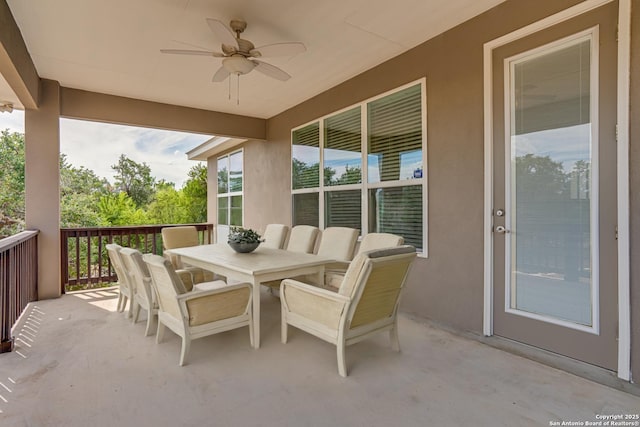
(12, 213)
(134, 179)
(195, 194)
(120, 209)
(351, 175)
(80, 191)
(539, 178)
(167, 208)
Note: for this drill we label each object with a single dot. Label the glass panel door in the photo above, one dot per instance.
(551, 164)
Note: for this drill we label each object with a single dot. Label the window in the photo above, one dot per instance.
(363, 167)
(230, 189)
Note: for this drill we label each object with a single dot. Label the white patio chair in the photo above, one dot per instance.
(144, 296)
(184, 237)
(200, 313)
(337, 243)
(372, 241)
(125, 290)
(275, 236)
(365, 304)
(303, 238)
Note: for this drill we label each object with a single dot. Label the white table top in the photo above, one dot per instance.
(259, 262)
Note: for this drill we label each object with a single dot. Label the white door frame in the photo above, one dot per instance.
(624, 46)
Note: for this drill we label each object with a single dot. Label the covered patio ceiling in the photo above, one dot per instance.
(114, 47)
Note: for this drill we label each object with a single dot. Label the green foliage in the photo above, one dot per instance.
(11, 183)
(243, 235)
(120, 209)
(80, 191)
(351, 175)
(167, 208)
(195, 194)
(134, 179)
(86, 200)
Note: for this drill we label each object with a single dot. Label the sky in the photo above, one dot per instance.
(97, 146)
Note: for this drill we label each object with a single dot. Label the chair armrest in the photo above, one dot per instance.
(316, 304)
(218, 303)
(213, 290)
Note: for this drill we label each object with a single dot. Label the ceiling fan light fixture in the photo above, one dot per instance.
(6, 107)
(238, 65)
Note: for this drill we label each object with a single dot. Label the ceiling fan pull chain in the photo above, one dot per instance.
(229, 88)
(238, 91)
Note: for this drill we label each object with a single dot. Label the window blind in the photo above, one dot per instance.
(306, 209)
(343, 209)
(342, 148)
(305, 150)
(397, 210)
(395, 128)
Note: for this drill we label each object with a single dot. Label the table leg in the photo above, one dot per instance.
(256, 314)
(320, 276)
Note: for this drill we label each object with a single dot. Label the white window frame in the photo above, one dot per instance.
(365, 186)
(223, 229)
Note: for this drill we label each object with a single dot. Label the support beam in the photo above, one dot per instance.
(16, 65)
(42, 185)
(85, 105)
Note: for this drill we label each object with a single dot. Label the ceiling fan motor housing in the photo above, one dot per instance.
(238, 64)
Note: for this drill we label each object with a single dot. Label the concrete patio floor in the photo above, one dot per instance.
(79, 363)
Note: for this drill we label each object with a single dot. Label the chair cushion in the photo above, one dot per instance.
(275, 236)
(218, 306)
(379, 241)
(180, 237)
(338, 243)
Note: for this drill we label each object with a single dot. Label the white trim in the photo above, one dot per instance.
(365, 186)
(591, 35)
(624, 256)
(624, 25)
(230, 194)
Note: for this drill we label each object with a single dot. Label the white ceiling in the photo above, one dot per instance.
(113, 46)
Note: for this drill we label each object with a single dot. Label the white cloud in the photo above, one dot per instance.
(13, 121)
(97, 146)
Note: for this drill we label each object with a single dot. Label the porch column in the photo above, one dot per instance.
(42, 185)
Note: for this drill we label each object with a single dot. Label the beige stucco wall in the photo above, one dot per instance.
(42, 185)
(453, 66)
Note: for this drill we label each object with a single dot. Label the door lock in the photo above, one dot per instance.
(500, 229)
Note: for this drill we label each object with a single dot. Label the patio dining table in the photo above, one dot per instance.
(260, 266)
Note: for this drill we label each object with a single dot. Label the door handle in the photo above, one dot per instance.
(500, 229)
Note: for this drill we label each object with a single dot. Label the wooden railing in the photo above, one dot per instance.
(18, 280)
(84, 258)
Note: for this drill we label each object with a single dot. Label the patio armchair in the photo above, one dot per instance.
(372, 241)
(275, 236)
(184, 237)
(366, 303)
(125, 289)
(144, 296)
(200, 313)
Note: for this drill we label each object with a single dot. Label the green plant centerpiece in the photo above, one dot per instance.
(244, 240)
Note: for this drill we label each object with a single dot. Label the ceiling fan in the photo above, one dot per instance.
(240, 54)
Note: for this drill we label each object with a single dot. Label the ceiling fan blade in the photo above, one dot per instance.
(223, 33)
(278, 49)
(271, 70)
(192, 52)
(220, 75)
